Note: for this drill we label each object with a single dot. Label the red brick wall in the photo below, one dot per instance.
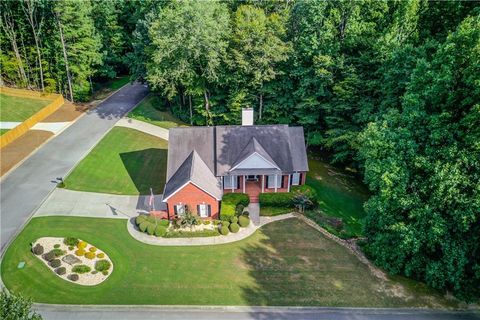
(191, 196)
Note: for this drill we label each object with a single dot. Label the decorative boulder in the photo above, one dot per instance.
(71, 259)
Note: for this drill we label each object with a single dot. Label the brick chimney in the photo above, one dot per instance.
(247, 116)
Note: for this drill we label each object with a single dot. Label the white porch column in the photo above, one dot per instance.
(263, 183)
(233, 184)
(243, 183)
(288, 185)
(276, 180)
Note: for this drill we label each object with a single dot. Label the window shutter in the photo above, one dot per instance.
(238, 182)
(282, 182)
(209, 210)
(198, 209)
(266, 181)
(175, 209)
(300, 178)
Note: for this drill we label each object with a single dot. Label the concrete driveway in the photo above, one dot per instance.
(25, 188)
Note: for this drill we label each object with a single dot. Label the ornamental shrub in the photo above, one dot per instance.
(70, 241)
(164, 223)
(55, 263)
(140, 219)
(100, 255)
(225, 224)
(49, 256)
(58, 252)
(94, 272)
(73, 277)
(206, 222)
(243, 221)
(151, 229)
(151, 219)
(81, 268)
(234, 219)
(92, 249)
(82, 245)
(102, 265)
(224, 230)
(246, 213)
(308, 191)
(239, 209)
(234, 227)
(71, 248)
(143, 226)
(56, 246)
(80, 252)
(160, 231)
(105, 273)
(230, 202)
(279, 199)
(90, 255)
(61, 271)
(38, 249)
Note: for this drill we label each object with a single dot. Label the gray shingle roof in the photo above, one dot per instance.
(194, 170)
(205, 153)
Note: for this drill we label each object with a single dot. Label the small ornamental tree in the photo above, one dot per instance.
(14, 306)
(302, 201)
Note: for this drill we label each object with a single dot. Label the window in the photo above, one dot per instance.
(204, 210)
(230, 182)
(274, 181)
(179, 209)
(295, 179)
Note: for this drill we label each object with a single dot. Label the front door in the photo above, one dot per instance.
(252, 178)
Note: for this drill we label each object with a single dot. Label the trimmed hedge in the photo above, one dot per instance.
(143, 225)
(243, 221)
(160, 231)
(234, 227)
(164, 223)
(285, 199)
(224, 230)
(230, 201)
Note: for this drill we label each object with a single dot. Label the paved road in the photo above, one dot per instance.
(243, 313)
(24, 189)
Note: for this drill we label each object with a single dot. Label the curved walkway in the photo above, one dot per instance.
(144, 127)
(232, 237)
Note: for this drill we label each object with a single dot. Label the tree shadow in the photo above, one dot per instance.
(147, 169)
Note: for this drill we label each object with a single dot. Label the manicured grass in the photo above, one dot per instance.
(3, 131)
(273, 211)
(151, 110)
(125, 161)
(19, 109)
(285, 263)
(102, 90)
(339, 194)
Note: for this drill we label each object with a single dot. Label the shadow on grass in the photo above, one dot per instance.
(147, 169)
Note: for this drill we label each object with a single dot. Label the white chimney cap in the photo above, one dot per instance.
(247, 116)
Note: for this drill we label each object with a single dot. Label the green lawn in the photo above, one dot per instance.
(151, 110)
(125, 161)
(285, 263)
(19, 109)
(3, 131)
(339, 194)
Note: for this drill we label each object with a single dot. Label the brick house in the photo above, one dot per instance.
(206, 162)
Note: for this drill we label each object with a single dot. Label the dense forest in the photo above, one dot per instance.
(389, 88)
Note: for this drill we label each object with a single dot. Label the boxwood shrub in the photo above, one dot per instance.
(243, 221)
(234, 227)
(230, 202)
(151, 229)
(160, 231)
(143, 226)
(224, 230)
(38, 249)
(140, 219)
(49, 256)
(164, 222)
(285, 199)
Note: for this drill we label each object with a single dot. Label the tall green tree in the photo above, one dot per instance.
(257, 48)
(189, 42)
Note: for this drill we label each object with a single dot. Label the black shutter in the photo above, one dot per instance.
(238, 182)
(175, 209)
(266, 182)
(300, 179)
(198, 209)
(209, 210)
(282, 182)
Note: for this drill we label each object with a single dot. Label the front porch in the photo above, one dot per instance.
(253, 185)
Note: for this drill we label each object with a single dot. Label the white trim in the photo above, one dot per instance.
(263, 183)
(274, 165)
(244, 183)
(183, 186)
(288, 184)
(276, 182)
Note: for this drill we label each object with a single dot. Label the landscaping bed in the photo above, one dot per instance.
(73, 260)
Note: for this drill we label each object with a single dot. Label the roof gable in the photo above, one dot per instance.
(254, 156)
